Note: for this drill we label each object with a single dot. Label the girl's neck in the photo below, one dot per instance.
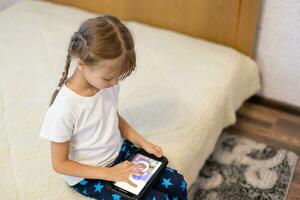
(78, 84)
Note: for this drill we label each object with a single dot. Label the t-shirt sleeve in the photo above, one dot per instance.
(58, 124)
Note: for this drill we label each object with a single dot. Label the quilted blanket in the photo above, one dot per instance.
(184, 91)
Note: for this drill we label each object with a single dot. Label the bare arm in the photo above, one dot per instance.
(62, 165)
(133, 136)
(129, 133)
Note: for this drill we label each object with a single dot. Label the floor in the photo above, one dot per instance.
(273, 127)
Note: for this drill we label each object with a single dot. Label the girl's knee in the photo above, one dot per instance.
(156, 194)
(174, 183)
(182, 189)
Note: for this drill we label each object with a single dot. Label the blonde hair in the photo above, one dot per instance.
(102, 37)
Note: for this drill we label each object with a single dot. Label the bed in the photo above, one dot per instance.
(184, 92)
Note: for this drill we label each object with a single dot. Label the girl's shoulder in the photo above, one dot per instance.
(65, 98)
(62, 103)
(60, 107)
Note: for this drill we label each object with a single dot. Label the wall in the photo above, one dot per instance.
(278, 50)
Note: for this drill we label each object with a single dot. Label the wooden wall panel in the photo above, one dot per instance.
(247, 25)
(229, 22)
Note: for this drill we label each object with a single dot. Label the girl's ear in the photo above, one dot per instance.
(80, 64)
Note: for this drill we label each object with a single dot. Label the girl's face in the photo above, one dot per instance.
(103, 75)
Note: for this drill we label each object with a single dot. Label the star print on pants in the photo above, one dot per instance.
(166, 182)
(116, 196)
(167, 197)
(123, 148)
(183, 185)
(84, 192)
(98, 187)
(83, 182)
(127, 154)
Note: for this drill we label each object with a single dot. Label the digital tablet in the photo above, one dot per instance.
(144, 181)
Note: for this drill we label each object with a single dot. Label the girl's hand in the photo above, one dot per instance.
(153, 149)
(122, 171)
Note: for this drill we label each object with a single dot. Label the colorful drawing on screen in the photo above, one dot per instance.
(148, 171)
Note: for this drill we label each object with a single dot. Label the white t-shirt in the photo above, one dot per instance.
(90, 123)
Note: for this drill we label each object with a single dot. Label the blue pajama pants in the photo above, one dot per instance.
(169, 185)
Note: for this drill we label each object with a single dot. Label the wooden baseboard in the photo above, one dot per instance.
(275, 104)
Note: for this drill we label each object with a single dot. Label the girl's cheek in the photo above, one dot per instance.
(101, 82)
(104, 84)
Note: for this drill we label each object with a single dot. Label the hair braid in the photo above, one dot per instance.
(62, 79)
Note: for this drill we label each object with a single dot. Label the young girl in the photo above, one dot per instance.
(87, 133)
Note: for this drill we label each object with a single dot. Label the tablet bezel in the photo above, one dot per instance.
(147, 186)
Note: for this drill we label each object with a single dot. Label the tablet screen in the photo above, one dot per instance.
(142, 179)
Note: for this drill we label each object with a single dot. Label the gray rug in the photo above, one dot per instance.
(240, 168)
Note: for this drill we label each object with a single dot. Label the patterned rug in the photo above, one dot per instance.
(240, 168)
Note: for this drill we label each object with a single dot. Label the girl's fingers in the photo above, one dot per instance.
(158, 153)
(136, 171)
(140, 165)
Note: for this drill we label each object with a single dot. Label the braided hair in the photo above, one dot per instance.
(102, 37)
